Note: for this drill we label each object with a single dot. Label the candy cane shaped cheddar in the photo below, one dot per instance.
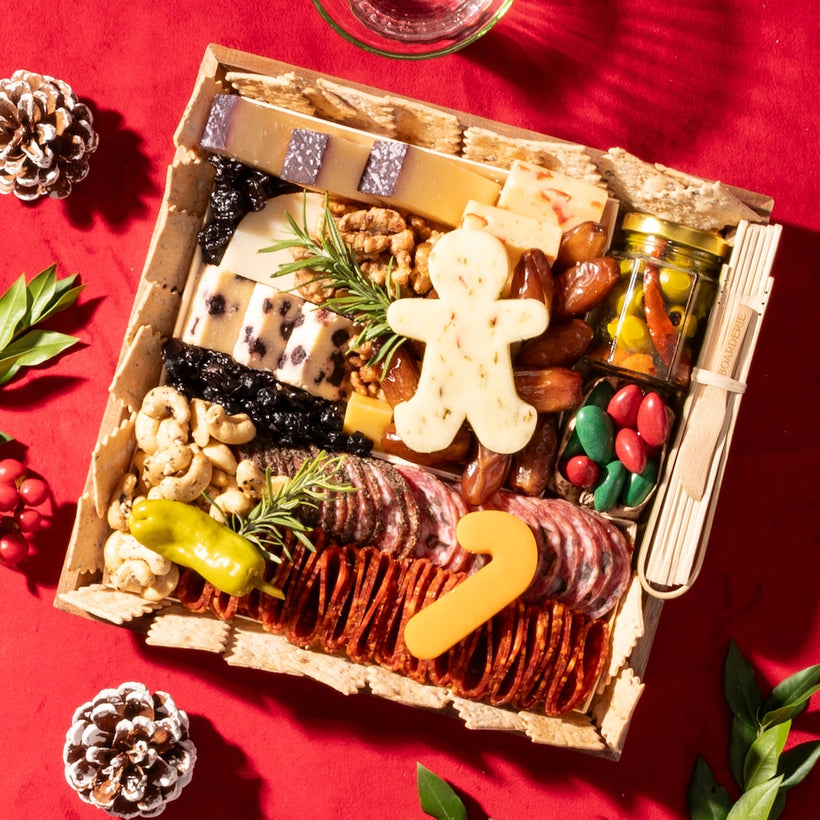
(511, 545)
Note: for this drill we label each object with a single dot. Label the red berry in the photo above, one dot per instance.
(10, 470)
(13, 549)
(28, 520)
(34, 491)
(9, 497)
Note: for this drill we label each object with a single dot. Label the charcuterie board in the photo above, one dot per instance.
(216, 329)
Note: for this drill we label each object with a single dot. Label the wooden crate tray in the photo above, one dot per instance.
(600, 728)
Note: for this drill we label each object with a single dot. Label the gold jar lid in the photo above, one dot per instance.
(702, 240)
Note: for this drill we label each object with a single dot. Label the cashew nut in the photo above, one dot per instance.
(132, 575)
(162, 404)
(122, 546)
(133, 567)
(171, 432)
(250, 478)
(232, 501)
(172, 460)
(189, 485)
(163, 586)
(122, 499)
(236, 429)
(146, 430)
(199, 427)
(221, 456)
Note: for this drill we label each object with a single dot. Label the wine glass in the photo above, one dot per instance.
(412, 29)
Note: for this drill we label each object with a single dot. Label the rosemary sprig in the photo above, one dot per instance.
(361, 300)
(265, 525)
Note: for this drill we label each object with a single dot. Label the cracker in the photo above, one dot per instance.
(173, 244)
(428, 127)
(672, 195)
(354, 108)
(395, 687)
(573, 730)
(252, 646)
(188, 183)
(483, 145)
(613, 711)
(139, 369)
(482, 716)
(156, 305)
(627, 628)
(284, 90)
(189, 630)
(110, 461)
(86, 555)
(110, 604)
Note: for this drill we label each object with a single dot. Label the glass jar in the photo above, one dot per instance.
(652, 322)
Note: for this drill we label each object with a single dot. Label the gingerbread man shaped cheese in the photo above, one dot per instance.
(467, 372)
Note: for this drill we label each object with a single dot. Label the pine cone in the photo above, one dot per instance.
(46, 136)
(128, 751)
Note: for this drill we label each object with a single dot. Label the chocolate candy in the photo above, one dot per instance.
(623, 406)
(595, 433)
(615, 446)
(631, 450)
(653, 420)
(613, 478)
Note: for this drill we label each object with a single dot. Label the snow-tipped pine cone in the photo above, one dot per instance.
(128, 751)
(46, 136)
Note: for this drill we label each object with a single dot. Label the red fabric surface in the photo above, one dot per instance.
(724, 90)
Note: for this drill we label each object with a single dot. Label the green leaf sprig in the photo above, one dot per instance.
(437, 797)
(22, 308)
(359, 298)
(277, 512)
(760, 730)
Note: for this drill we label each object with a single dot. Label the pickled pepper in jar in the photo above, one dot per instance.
(653, 321)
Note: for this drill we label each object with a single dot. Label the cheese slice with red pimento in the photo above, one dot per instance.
(550, 196)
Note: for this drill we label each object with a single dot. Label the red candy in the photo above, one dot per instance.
(631, 450)
(582, 471)
(623, 406)
(653, 421)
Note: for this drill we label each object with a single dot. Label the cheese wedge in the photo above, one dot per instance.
(550, 196)
(518, 232)
(343, 161)
(260, 229)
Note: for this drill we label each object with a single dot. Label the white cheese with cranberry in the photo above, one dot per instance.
(314, 357)
(269, 321)
(217, 309)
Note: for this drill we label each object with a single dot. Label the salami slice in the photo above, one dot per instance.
(440, 508)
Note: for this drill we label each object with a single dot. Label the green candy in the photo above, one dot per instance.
(638, 486)
(600, 395)
(595, 432)
(610, 485)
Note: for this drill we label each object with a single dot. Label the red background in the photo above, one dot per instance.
(726, 90)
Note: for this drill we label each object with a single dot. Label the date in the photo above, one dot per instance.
(549, 389)
(561, 345)
(532, 467)
(532, 277)
(580, 244)
(581, 287)
(402, 378)
(455, 453)
(484, 474)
